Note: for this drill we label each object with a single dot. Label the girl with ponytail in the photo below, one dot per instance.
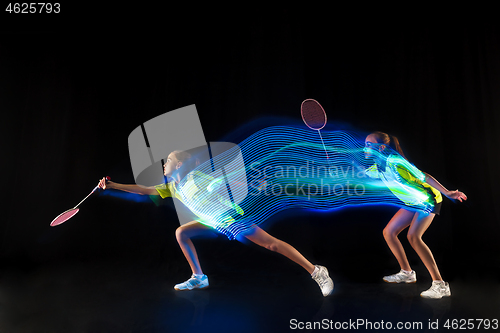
(422, 202)
(181, 164)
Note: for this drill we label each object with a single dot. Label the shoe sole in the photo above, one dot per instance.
(401, 282)
(427, 297)
(191, 289)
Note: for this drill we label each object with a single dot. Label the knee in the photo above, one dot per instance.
(414, 238)
(389, 233)
(180, 234)
(273, 246)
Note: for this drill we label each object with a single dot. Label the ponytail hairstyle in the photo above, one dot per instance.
(389, 140)
(189, 162)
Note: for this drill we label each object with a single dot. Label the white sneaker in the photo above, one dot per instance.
(438, 289)
(323, 280)
(401, 277)
(193, 283)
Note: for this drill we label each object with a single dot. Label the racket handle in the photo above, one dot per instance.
(95, 188)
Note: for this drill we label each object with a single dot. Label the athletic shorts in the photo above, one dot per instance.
(437, 208)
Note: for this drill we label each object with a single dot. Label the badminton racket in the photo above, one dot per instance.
(314, 117)
(64, 216)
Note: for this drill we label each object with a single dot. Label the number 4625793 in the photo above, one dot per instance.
(33, 8)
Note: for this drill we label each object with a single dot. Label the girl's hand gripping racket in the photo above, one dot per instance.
(64, 216)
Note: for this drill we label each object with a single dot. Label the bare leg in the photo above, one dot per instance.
(398, 223)
(184, 234)
(419, 225)
(262, 238)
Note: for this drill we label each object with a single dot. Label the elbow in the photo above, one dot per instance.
(151, 191)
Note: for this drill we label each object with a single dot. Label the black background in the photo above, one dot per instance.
(74, 85)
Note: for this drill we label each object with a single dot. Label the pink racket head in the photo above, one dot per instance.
(63, 217)
(313, 114)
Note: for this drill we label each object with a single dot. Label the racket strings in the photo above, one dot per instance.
(63, 217)
(313, 114)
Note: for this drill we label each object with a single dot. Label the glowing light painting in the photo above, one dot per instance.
(286, 167)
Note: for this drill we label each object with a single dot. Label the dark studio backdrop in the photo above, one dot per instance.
(73, 88)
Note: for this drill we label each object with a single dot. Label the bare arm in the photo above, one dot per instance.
(457, 195)
(132, 188)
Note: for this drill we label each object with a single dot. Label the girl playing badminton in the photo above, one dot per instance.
(180, 164)
(421, 193)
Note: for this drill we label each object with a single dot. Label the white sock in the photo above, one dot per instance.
(199, 276)
(407, 272)
(316, 270)
(440, 282)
